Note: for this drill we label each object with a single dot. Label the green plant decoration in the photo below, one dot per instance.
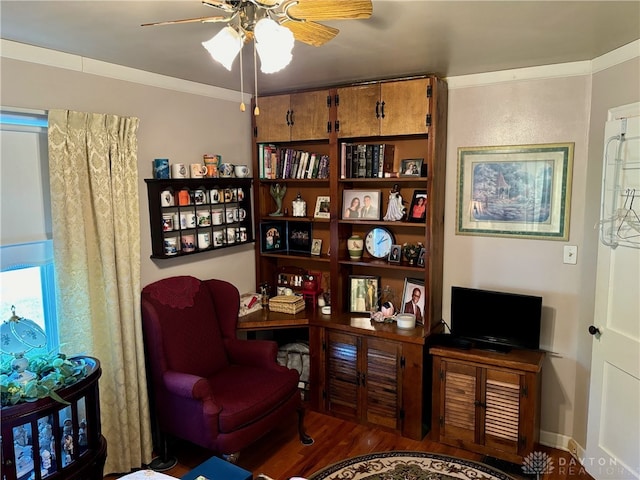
(52, 372)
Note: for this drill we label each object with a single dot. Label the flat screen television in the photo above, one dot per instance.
(496, 320)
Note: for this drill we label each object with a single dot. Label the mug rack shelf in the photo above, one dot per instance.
(196, 215)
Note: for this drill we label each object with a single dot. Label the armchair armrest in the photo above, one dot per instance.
(187, 385)
(261, 353)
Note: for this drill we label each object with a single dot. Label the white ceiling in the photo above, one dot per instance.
(446, 38)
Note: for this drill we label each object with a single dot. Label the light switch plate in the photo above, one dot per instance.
(570, 254)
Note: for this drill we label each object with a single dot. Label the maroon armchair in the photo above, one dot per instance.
(209, 387)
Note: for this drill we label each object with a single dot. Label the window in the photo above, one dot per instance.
(27, 277)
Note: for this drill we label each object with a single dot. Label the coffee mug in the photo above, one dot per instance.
(161, 168)
(217, 217)
(167, 222)
(188, 243)
(179, 221)
(231, 235)
(243, 234)
(212, 162)
(218, 238)
(230, 217)
(192, 220)
(228, 195)
(204, 218)
(184, 198)
(170, 245)
(178, 170)
(199, 197)
(214, 196)
(239, 194)
(204, 240)
(198, 170)
(239, 214)
(226, 169)
(241, 171)
(166, 198)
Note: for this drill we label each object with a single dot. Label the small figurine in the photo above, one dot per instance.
(277, 192)
(395, 208)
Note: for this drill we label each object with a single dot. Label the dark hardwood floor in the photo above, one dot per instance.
(280, 454)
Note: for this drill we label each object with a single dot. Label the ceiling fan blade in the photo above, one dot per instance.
(221, 4)
(189, 20)
(329, 9)
(311, 33)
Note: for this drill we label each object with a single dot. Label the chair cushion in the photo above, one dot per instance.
(248, 393)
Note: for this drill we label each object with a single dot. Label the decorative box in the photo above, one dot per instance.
(291, 304)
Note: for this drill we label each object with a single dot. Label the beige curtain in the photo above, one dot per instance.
(96, 237)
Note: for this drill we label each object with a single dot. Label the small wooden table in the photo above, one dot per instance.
(266, 320)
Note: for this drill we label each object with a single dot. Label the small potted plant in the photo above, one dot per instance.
(411, 252)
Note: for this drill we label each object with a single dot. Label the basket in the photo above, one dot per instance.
(291, 304)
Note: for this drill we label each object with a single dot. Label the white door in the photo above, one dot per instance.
(613, 432)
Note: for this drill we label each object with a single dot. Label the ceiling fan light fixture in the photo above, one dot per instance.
(224, 46)
(274, 44)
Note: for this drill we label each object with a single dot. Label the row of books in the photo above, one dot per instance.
(366, 160)
(275, 162)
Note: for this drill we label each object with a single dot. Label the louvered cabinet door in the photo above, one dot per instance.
(381, 381)
(502, 410)
(459, 391)
(343, 376)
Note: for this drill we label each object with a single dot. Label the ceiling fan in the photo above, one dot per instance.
(299, 16)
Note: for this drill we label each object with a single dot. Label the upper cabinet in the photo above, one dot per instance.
(291, 117)
(384, 109)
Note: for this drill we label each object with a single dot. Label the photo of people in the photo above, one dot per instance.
(273, 239)
(363, 294)
(361, 204)
(395, 254)
(413, 298)
(273, 236)
(418, 209)
(316, 246)
(411, 167)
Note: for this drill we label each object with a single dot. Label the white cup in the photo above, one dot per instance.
(230, 217)
(218, 238)
(204, 218)
(240, 194)
(214, 195)
(198, 170)
(239, 214)
(231, 235)
(166, 198)
(199, 197)
(179, 170)
(241, 171)
(243, 234)
(188, 243)
(217, 217)
(204, 240)
(167, 222)
(191, 220)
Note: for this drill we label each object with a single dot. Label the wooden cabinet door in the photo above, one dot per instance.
(458, 396)
(343, 375)
(381, 379)
(272, 125)
(310, 115)
(501, 406)
(405, 105)
(359, 111)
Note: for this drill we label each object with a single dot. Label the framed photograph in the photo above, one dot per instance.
(364, 293)
(322, 207)
(420, 262)
(411, 167)
(521, 191)
(299, 237)
(418, 208)
(395, 255)
(361, 204)
(316, 246)
(413, 298)
(273, 237)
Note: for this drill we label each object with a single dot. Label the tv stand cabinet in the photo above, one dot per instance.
(487, 402)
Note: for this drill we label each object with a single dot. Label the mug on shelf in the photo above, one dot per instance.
(231, 235)
(212, 162)
(198, 170)
(226, 169)
(204, 240)
(192, 220)
(218, 238)
(241, 171)
(161, 168)
(170, 245)
(167, 222)
(239, 214)
(199, 197)
(228, 195)
(230, 216)
(188, 243)
(166, 198)
(204, 218)
(239, 193)
(184, 198)
(179, 170)
(217, 217)
(214, 195)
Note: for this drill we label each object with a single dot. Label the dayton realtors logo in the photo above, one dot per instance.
(537, 463)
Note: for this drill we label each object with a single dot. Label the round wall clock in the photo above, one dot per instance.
(378, 242)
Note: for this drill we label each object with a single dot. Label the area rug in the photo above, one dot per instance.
(400, 465)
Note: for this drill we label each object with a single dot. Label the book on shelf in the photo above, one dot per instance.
(366, 160)
(278, 162)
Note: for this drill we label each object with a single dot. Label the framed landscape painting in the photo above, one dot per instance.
(515, 191)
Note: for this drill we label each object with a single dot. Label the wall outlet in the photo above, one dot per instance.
(572, 445)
